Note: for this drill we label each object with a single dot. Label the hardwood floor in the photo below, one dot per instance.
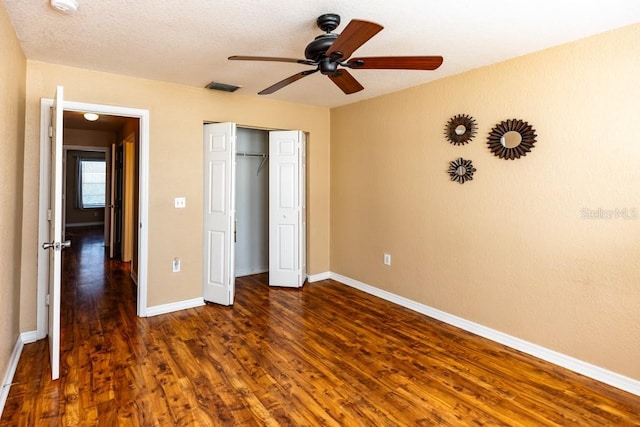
(325, 354)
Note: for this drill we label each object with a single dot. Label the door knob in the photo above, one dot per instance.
(56, 245)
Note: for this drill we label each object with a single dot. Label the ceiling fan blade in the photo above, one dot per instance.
(270, 58)
(286, 82)
(355, 34)
(396, 63)
(345, 81)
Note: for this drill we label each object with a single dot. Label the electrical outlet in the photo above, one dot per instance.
(180, 202)
(176, 264)
(387, 259)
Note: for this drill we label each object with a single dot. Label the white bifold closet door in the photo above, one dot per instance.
(287, 209)
(287, 213)
(219, 212)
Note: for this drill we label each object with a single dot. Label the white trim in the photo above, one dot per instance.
(43, 223)
(29, 337)
(320, 276)
(597, 373)
(83, 224)
(86, 148)
(143, 214)
(10, 372)
(174, 306)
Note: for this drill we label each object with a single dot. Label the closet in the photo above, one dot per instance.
(254, 208)
(252, 202)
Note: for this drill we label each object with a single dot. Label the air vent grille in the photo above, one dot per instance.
(222, 86)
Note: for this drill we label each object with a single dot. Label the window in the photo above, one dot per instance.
(92, 179)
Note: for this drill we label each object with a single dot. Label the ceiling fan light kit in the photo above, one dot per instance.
(329, 51)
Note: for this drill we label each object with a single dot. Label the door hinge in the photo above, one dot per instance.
(50, 131)
(46, 299)
(48, 214)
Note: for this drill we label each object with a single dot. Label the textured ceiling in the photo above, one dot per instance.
(188, 41)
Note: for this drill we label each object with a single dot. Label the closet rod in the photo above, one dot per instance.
(252, 155)
(264, 159)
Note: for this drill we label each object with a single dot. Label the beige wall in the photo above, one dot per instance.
(509, 250)
(175, 155)
(88, 138)
(12, 93)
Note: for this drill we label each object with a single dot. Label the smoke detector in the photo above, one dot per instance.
(65, 6)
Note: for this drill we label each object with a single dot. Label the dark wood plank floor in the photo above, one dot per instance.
(325, 354)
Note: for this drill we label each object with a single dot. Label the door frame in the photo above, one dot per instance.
(143, 213)
(87, 148)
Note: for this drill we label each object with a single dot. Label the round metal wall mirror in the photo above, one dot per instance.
(511, 139)
(461, 170)
(460, 129)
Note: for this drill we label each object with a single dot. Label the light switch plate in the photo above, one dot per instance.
(180, 202)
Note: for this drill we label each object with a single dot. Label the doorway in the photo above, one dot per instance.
(228, 209)
(140, 245)
(101, 180)
(252, 202)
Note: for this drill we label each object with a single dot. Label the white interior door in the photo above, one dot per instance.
(219, 212)
(287, 210)
(55, 244)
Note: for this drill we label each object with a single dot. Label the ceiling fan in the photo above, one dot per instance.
(330, 51)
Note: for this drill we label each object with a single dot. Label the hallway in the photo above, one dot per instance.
(98, 298)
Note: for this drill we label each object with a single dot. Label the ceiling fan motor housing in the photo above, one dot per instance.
(318, 47)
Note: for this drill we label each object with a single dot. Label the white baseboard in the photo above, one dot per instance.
(320, 276)
(29, 337)
(174, 306)
(10, 371)
(576, 365)
(134, 277)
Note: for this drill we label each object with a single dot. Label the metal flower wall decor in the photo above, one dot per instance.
(461, 170)
(460, 129)
(511, 139)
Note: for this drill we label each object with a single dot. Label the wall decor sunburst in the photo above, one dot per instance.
(511, 139)
(461, 170)
(460, 129)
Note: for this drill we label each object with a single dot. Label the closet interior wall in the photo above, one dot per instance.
(252, 202)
